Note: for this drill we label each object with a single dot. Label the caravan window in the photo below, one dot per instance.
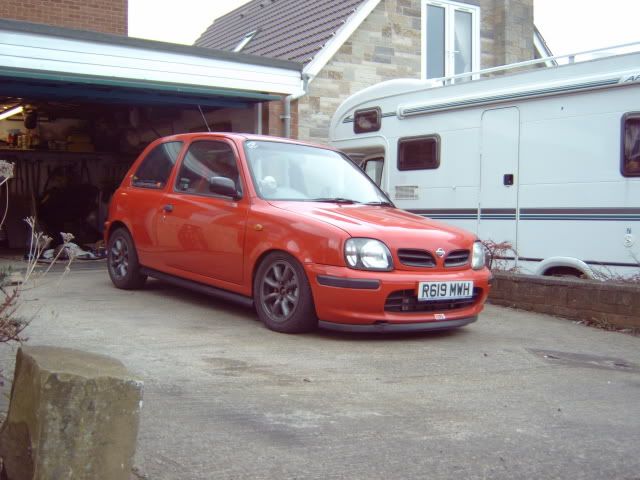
(631, 145)
(419, 153)
(368, 120)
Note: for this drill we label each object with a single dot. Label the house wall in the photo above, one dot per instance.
(105, 16)
(387, 45)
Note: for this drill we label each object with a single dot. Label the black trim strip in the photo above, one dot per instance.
(384, 327)
(199, 287)
(355, 283)
(581, 211)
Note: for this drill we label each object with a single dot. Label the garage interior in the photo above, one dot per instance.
(78, 107)
(72, 146)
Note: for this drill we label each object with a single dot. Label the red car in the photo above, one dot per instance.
(294, 229)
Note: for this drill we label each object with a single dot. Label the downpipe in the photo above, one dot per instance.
(286, 117)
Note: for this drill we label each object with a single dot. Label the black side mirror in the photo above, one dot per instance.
(223, 186)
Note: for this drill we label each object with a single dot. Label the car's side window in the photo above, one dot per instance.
(631, 145)
(206, 159)
(157, 165)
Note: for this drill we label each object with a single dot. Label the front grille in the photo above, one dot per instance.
(416, 258)
(457, 258)
(406, 301)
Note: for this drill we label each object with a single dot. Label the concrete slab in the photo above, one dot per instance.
(514, 395)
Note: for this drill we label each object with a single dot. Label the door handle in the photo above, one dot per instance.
(508, 179)
(168, 208)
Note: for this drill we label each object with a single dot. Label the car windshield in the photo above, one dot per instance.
(285, 171)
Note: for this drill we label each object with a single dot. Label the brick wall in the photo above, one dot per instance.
(602, 303)
(388, 45)
(105, 16)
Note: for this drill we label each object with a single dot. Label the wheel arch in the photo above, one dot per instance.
(114, 226)
(549, 264)
(265, 254)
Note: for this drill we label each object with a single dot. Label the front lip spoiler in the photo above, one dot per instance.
(385, 327)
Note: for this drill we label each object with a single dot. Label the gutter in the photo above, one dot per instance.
(286, 117)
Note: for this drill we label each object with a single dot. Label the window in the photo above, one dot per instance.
(419, 153)
(203, 160)
(156, 167)
(245, 40)
(450, 38)
(631, 145)
(368, 120)
(373, 167)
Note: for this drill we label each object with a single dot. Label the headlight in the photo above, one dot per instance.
(367, 254)
(477, 256)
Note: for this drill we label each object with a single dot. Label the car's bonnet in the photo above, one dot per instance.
(393, 226)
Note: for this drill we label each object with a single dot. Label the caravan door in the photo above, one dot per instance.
(499, 161)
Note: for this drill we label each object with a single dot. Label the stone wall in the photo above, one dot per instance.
(604, 303)
(388, 45)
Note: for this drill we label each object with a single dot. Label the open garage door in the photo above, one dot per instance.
(79, 107)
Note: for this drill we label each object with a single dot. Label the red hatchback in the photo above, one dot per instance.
(294, 229)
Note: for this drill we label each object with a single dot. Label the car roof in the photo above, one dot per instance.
(245, 137)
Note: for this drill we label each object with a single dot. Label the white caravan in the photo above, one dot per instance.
(547, 160)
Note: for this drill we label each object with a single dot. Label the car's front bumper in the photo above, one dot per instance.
(353, 300)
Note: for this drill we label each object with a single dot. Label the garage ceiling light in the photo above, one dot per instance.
(11, 112)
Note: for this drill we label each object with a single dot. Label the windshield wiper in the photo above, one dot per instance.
(334, 200)
(381, 204)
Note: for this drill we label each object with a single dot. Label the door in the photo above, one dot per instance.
(203, 233)
(144, 199)
(499, 176)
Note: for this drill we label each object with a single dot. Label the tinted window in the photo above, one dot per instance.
(420, 153)
(203, 160)
(631, 145)
(157, 165)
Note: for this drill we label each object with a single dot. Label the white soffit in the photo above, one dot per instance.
(41, 52)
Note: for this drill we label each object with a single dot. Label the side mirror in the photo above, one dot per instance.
(223, 186)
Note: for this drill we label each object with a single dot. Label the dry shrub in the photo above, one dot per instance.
(500, 256)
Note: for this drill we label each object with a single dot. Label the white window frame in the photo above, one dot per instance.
(450, 9)
(245, 40)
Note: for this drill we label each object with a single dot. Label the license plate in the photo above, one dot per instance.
(444, 290)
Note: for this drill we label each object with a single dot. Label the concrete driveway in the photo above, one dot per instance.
(516, 395)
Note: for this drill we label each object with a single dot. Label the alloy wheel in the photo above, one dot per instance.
(280, 291)
(120, 258)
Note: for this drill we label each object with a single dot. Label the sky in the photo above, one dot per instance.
(568, 26)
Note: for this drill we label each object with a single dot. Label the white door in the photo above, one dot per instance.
(499, 176)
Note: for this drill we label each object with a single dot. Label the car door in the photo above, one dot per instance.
(203, 233)
(144, 198)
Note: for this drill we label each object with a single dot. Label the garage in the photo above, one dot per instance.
(76, 108)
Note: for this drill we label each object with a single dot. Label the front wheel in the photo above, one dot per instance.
(122, 261)
(282, 295)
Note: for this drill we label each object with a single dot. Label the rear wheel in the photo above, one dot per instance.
(122, 261)
(282, 295)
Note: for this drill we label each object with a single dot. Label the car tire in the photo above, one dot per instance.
(282, 295)
(122, 261)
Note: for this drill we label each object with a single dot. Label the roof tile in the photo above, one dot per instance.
(286, 29)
